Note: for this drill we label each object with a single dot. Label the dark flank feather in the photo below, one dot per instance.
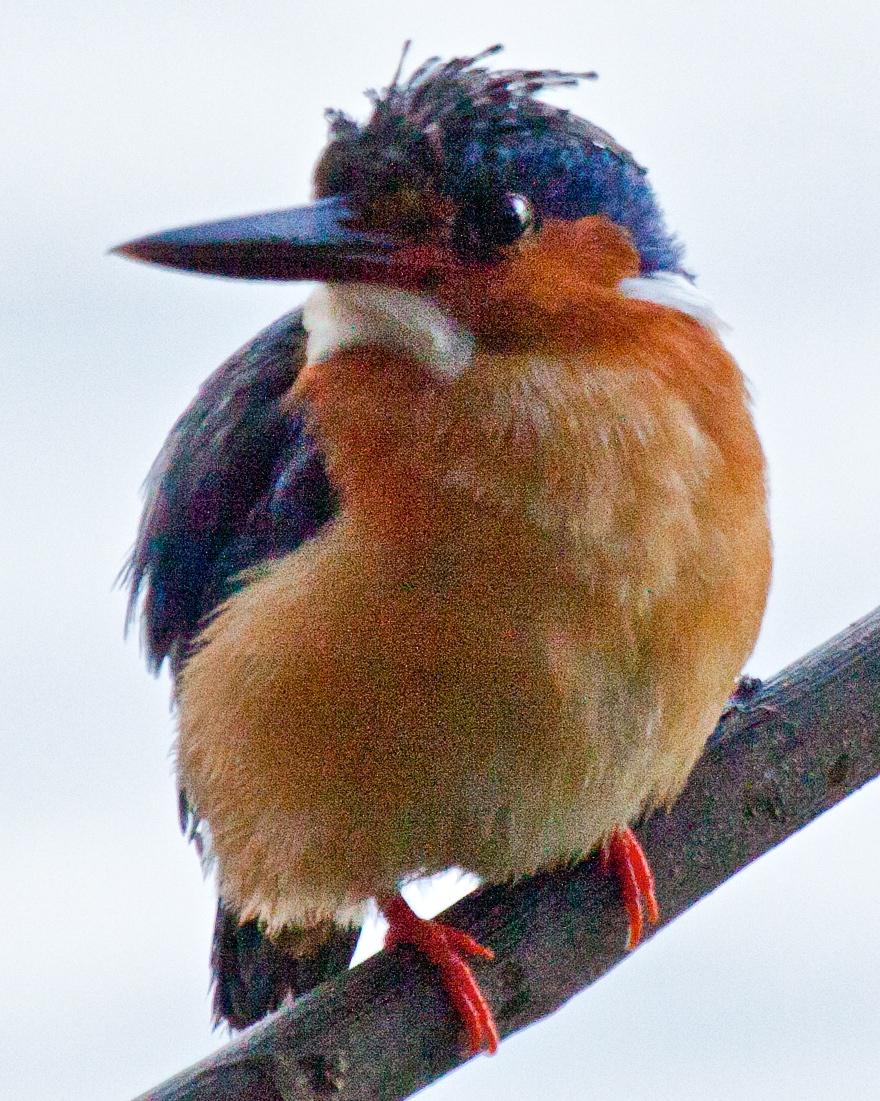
(238, 481)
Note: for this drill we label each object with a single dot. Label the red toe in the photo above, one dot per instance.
(623, 855)
(446, 948)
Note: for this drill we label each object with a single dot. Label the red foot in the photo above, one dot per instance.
(623, 855)
(445, 947)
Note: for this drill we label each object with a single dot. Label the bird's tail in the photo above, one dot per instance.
(253, 973)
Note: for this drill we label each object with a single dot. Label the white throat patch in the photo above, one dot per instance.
(349, 315)
(668, 288)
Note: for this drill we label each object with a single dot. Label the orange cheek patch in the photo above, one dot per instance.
(553, 289)
(566, 257)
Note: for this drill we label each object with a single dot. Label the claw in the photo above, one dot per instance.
(446, 947)
(623, 855)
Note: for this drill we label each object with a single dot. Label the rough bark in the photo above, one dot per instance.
(781, 755)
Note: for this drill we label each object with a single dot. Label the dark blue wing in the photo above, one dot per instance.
(239, 480)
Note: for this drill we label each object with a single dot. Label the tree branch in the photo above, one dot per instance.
(779, 757)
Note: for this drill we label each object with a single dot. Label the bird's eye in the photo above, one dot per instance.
(515, 218)
(491, 222)
(522, 211)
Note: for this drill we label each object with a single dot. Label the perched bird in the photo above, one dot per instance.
(457, 565)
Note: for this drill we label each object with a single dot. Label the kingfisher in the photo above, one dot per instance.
(456, 565)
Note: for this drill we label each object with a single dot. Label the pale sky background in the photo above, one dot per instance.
(759, 124)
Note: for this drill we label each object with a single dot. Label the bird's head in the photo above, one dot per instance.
(458, 173)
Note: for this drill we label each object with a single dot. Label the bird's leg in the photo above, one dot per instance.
(742, 699)
(446, 948)
(623, 855)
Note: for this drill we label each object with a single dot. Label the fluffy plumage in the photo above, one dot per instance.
(522, 627)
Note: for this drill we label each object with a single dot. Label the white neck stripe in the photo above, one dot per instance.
(670, 289)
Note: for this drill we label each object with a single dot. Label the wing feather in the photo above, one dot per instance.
(240, 479)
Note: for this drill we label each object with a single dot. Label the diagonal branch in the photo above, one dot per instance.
(783, 754)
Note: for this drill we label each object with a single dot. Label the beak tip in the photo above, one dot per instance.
(157, 249)
(131, 250)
